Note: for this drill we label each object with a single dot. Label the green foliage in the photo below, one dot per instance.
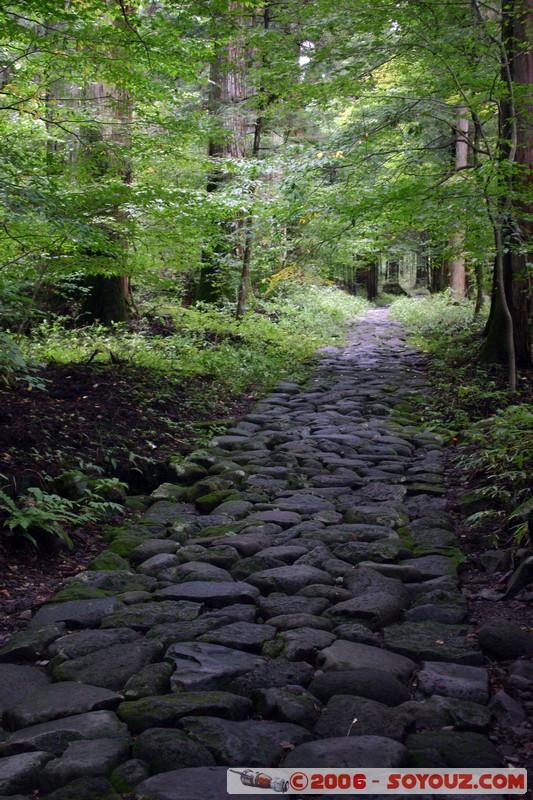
(433, 316)
(501, 458)
(15, 367)
(271, 342)
(38, 511)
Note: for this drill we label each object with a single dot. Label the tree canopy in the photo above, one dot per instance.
(220, 148)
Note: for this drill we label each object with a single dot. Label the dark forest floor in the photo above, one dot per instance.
(122, 420)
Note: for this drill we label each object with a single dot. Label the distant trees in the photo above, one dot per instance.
(245, 143)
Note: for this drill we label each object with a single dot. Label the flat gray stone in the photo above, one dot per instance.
(164, 711)
(283, 518)
(248, 742)
(304, 504)
(432, 641)
(288, 579)
(253, 564)
(241, 635)
(334, 594)
(346, 715)
(29, 645)
(18, 681)
(505, 641)
(201, 665)
(278, 605)
(278, 672)
(77, 613)
(506, 710)
(287, 622)
(376, 514)
(236, 509)
(455, 749)
(359, 552)
(83, 759)
(82, 643)
(196, 571)
(438, 712)
(164, 749)
(337, 534)
(213, 594)
(58, 700)
(302, 644)
(153, 547)
(396, 571)
(157, 564)
(374, 609)
(187, 784)
(434, 566)
(112, 581)
(143, 616)
(374, 684)
(288, 553)
(110, 668)
(55, 736)
(343, 655)
(454, 680)
(352, 751)
(87, 788)
(21, 773)
(246, 544)
(287, 704)
(381, 492)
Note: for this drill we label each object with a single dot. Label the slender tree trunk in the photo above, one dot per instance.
(513, 225)
(249, 223)
(227, 90)
(392, 283)
(457, 263)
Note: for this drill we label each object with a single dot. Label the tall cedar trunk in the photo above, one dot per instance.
(227, 90)
(106, 152)
(107, 298)
(516, 232)
(457, 264)
(256, 147)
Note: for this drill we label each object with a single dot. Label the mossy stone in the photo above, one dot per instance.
(125, 543)
(209, 502)
(78, 592)
(127, 776)
(108, 561)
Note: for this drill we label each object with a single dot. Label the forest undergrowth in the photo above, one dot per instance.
(490, 430)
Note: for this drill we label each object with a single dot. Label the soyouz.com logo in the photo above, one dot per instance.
(247, 780)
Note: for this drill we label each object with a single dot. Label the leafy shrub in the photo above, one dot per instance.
(15, 367)
(39, 512)
(502, 460)
(270, 343)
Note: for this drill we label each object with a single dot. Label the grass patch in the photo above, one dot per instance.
(272, 342)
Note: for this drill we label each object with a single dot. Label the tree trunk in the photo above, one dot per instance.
(422, 271)
(256, 147)
(392, 283)
(517, 227)
(227, 90)
(457, 263)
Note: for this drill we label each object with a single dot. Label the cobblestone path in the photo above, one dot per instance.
(292, 600)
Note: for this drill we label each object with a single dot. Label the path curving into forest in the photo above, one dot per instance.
(293, 599)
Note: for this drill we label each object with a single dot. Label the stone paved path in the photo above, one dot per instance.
(292, 599)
